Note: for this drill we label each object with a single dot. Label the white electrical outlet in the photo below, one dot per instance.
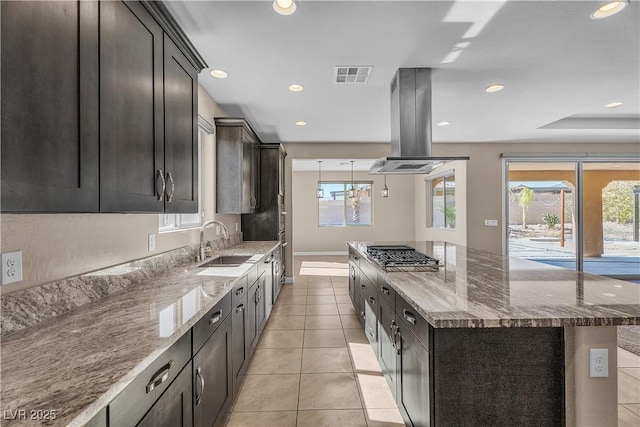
(490, 222)
(152, 242)
(598, 362)
(237, 227)
(11, 267)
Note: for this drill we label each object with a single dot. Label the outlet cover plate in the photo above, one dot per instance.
(152, 242)
(598, 362)
(11, 267)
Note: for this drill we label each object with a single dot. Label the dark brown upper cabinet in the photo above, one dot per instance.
(132, 169)
(99, 108)
(49, 106)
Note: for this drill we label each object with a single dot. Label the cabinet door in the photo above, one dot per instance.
(386, 349)
(252, 320)
(352, 282)
(281, 174)
(49, 106)
(413, 384)
(255, 176)
(131, 109)
(239, 355)
(180, 131)
(261, 318)
(213, 377)
(247, 174)
(173, 408)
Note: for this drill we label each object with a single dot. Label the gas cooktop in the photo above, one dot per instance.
(401, 258)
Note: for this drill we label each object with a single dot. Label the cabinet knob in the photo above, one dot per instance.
(160, 183)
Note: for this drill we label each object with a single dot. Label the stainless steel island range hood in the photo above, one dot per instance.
(410, 126)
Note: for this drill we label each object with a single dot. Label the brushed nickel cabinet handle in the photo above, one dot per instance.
(372, 300)
(199, 396)
(215, 317)
(172, 187)
(240, 291)
(240, 308)
(159, 377)
(385, 290)
(363, 286)
(160, 179)
(409, 316)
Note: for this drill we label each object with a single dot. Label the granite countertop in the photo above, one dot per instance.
(476, 288)
(78, 362)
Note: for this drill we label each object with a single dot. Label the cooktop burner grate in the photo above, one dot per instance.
(396, 256)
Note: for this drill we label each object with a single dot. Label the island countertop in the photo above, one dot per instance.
(78, 362)
(479, 289)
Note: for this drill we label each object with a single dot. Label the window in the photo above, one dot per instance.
(168, 222)
(336, 209)
(443, 201)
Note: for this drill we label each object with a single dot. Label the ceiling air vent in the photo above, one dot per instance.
(351, 74)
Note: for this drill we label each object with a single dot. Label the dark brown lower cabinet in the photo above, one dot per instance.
(173, 408)
(261, 311)
(213, 377)
(412, 377)
(251, 334)
(240, 352)
(386, 350)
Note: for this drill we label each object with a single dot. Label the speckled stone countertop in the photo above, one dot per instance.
(78, 362)
(476, 288)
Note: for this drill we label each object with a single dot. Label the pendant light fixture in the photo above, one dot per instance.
(319, 189)
(352, 191)
(385, 189)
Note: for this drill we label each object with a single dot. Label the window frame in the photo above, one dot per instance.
(446, 176)
(346, 184)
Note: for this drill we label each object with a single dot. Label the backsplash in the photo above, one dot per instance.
(29, 307)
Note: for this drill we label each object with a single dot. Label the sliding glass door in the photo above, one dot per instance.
(581, 214)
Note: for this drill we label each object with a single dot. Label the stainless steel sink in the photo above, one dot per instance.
(226, 261)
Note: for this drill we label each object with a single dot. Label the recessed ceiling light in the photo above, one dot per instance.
(614, 104)
(219, 74)
(285, 7)
(296, 88)
(609, 9)
(494, 88)
(445, 123)
(301, 123)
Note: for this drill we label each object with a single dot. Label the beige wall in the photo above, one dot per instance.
(320, 151)
(392, 217)
(484, 180)
(55, 246)
(424, 231)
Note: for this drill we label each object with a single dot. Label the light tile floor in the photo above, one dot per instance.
(313, 365)
(628, 389)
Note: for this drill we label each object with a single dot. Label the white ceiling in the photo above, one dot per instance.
(334, 165)
(553, 59)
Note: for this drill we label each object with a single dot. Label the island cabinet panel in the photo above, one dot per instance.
(213, 377)
(131, 109)
(499, 376)
(251, 334)
(180, 131)
(413, 375)
(173, 408)
(354, 284)
(49, 106)
(387, 356)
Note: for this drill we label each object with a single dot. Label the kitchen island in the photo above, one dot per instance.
(491, 340)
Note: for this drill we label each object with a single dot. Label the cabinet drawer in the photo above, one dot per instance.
(210, 322)
(135, 400)
(413, 320)
(386, 292)
(239, 290)
(369, 270)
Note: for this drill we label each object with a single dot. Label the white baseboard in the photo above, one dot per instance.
(320, 253)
